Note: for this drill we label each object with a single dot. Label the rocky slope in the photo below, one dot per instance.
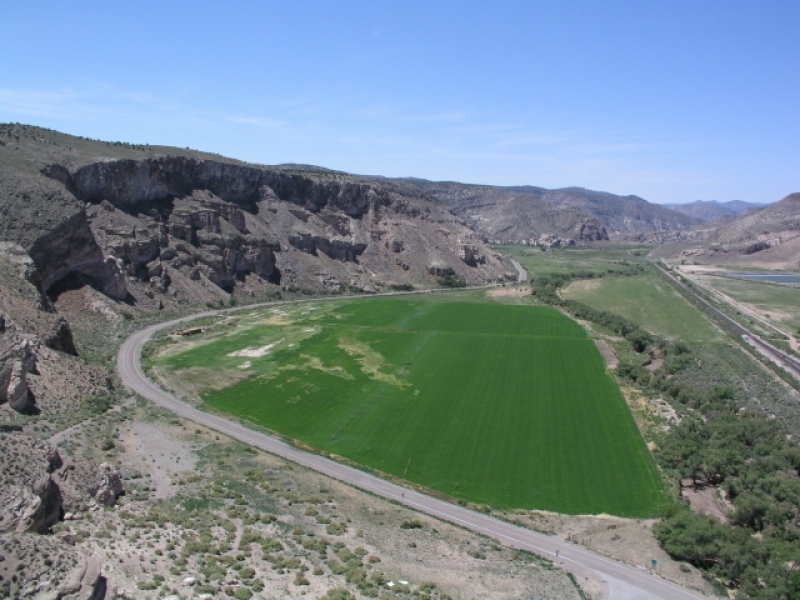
(767, 238)
(39, 369)
(527, 214)
(152, 226)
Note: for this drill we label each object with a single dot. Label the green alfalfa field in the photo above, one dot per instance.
(502, 405)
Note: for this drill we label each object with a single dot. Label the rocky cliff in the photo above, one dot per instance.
(39, 486)
(153, 227)
(39, 371)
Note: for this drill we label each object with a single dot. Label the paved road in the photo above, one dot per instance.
(623, 582)
(522, 275)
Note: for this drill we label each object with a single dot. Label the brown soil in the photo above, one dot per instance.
(150, 449)
(705, 500)
(608, 354)
(509, 292)
(628, 540)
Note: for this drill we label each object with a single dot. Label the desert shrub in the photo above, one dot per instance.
(338, 594)
(451, 280)
(411, 524)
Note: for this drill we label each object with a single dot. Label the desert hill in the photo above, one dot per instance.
(125, 216)
(524, 213)
(708, 210)
(766, 238)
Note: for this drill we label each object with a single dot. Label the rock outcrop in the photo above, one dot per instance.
(152, 229)
(45, 567)
(30, 499)
(17, 359)
(343, 250)
(81, 482)
(591, 231)
(39, 486)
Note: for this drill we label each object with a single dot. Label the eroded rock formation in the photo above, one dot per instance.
(39, 486)
(152, 230)
(17, 359)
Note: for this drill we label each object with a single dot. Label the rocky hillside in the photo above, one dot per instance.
(767, 238)
(172, 225)
(708, 210)
(527, 214)
(95, 232)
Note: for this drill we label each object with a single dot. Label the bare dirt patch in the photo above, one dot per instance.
(628, 540)
(705, 500)
(256, 352)
(612, 362)
(509, 292)
(154, 448)
(189, 384)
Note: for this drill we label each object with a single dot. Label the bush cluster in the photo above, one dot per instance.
(723, 439)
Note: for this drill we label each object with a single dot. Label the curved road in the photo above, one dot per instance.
(623, 582)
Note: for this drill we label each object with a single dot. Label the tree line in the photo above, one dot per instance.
(719, 441)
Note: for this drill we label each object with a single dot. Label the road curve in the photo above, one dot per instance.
(623, 582)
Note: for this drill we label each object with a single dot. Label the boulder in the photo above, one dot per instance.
(17, 359)
(107, 485)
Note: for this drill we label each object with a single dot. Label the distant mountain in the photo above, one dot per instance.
(513, 214)
(767, 238)
(708, 210)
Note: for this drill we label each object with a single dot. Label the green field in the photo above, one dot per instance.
(648, 301)
(502, 405)
(565, 260)
(780, 304)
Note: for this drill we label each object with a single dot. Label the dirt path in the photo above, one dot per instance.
(612, 362)
(522, 274)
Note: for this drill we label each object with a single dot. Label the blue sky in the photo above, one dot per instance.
(672, 101)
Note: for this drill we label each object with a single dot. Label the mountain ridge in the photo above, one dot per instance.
(527, 213)
(766, 238)
(708, 210)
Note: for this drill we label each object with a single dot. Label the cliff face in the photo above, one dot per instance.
(152, 228)
(127, 183)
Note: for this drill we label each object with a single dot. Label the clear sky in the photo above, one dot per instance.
(672, 101)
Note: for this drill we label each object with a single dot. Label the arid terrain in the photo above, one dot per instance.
(104, 495)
